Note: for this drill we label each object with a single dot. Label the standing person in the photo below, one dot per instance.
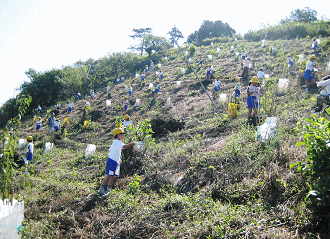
(126, 122)
(78, 95)
(114, 161)
(217, 86)
(157, 88)
(324, 97)
(58, 106)
(50, 123)
(201, 61)
(146, 69)
(38, 124)
(208, 72)
(308, 74)
(125, 104)
(57, 125)
(246, 64)
(253, 92)
(161, 75)
(92, 94)
(237, 89)
(39, 109)
(130, 91)
(314, 45)
(151, 65)
(243, 55)
(290, 62)
(143, 76)
(70, 106)
(29, 150)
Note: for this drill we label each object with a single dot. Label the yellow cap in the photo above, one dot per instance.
(29, 138)
(117, 131)
(238, 79)
(254, 79)
(126, 117)
(312, 57)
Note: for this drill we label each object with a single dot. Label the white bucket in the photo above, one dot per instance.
(108, 102)
(218, 49)
(222, 98)
(237, 53)
(165, 58)
(318, 41)
(122, 78)
(137, 102)
(250, 66)
(232, 47)
(189, 60)
(169, 101)
(211, 43)
(186, 53)
(151, 86)
(159, 65)
(209, 57)
(183, 70)
(178, 83)
(48, 147)
(282, 85)
(268, 129)
(90, 150)
(11, 218)
(137, 76)
(87, 104)
(263, 42)
(21, 143)
(301, 58)
(266, 76)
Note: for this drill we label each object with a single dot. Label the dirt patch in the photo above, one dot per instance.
(161, 127)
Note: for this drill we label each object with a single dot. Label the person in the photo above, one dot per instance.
(208, 72)
(58, 106)
(146, 69)
(143, 76)
(151, 65)
(157, 88)
(125, 104)
(261, 74)
(117, 80)
(126, 122)
(217, 86)
(237, 89)
(114, 161)
(29, 150)
(130, 91)
(253, 92)
(290, 62)
(70, 105)
(57, 125)
(39, 109)
(246, 64)
(243, 55)
(92, 94)
(324, 97)
(314, 45)
(78, 95)
(201, 61)
(10, 124)
(161, 75)
(38, 124)
(50, 123)
(308, 74)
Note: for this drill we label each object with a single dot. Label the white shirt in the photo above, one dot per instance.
(115, 150)
(238, 86)
(310, 65)
(261, 74)
(70, 105)
(217, 83)
(246, 63)
(255, 90)
(39, 122)
(126, 123)
(57, 123)
(29, 148)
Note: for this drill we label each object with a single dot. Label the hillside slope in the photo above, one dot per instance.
(205, 176)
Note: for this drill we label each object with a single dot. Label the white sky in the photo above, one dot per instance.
(47, 34)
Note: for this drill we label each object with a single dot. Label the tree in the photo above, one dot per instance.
(210, 29)
(175, 34)
(155, 43)
(303, 15)
(140, 34)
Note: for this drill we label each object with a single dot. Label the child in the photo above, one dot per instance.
(261, 74)
(78, 95)
(237, 89)
(126, 122)
(314, 45)
(50, 123)
(217, 87)
(39, 109)
(58, 106)
(143, 76)
(57, 125)
(125, 104)
(323, 98)
(146, 69)
(92, 94)
(308, 74)
(290, 62)
(246, 64)
(157, 88)
(208, 72)
(253, 92)
(243, 55)
(38, 124)
(130, 91)
(201, 61)
(29, 150)
(70, 105)
(114, 161)
(161, 75)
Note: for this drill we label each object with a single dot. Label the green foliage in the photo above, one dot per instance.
(175, 34)
(303, 15)
(134, 186)
(317, 165)
(141, 131)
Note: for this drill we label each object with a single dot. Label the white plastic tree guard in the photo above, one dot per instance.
(151, 86)
(183, 70)
(11, 218)
(137, 102)
(48, 147)
(21, 143)
(266, 131)
(178, 83)
(209, 57)
(222, 98)
(90, 150)
(301, 58)
(108, 102)
(282, 85)
(169, 102)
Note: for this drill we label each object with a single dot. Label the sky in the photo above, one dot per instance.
(48, 34)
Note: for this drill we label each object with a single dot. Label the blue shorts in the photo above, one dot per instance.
(315, 46)
(130, 93)
(243, 57)
(125, 107)
(161, 77)
(252, 102)
(30, 157)
(38, 126)
(70, 109)
(217, 88)
(291, 63)
(111, 167)
(308, 75)
(157, 90)
(56, 128)
(208, 73)
(237, 93)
